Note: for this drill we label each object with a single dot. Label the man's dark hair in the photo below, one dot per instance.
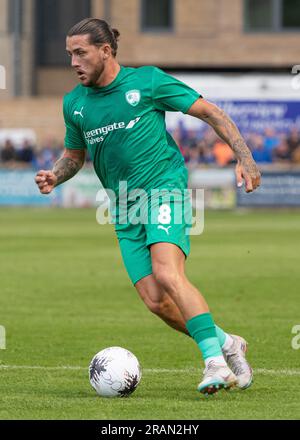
(99, 32)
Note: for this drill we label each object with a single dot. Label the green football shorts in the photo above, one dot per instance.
(163, 215)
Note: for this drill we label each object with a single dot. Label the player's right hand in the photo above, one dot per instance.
(46, 181)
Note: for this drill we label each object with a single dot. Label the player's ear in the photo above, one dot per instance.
(106, 51)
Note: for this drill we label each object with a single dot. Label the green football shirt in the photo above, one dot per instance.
(122, 125)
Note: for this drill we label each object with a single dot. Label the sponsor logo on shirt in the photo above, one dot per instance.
(98, 134)
(132, 123)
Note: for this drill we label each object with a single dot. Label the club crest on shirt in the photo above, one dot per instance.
(133, 97)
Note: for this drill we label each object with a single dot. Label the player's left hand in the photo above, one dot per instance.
(248, 172)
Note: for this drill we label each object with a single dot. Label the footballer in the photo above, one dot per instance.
(117, 114)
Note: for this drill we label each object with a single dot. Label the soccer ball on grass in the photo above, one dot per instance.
(114, 372)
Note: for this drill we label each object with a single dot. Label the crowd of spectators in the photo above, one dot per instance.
(199, 148)
(27, 155)
(206, 148)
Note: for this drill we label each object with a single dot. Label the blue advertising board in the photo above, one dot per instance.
(256, 116)
(17, 187)
(251, 116)
(278, 189)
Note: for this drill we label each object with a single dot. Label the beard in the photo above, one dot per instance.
(94, 77)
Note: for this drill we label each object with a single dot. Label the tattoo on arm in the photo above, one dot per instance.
(228, 131)
(65, 168)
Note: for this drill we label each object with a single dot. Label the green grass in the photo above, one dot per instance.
(65, 295)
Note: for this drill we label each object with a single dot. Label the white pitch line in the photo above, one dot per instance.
(40, 367)
(263, 371)
(286, 372)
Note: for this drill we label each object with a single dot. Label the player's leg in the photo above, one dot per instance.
(160, 303)
(136, 257)
(168, 269)
(168, 240)
(137, 261)
(171, 219)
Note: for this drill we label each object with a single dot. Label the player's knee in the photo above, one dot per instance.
(168, 278)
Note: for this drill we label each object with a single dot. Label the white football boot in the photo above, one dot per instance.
(215, 378)
(236, 360)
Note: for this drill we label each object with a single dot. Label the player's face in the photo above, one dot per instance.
(87, 59)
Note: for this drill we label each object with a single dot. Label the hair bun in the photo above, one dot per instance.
(116, 33)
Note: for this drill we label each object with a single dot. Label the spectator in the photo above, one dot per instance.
(191, 139)
(194, 158)
(209, 137)
(8, 152)
(296, 156)
(206, 154)
(223, 154)
(26, 153)
(47, 154)
(282, 153)
(176, 135)
(293, 140)
(44, 158)
(185, 151)
(259, 152)
(271, 140)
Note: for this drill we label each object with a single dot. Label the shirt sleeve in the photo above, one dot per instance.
(170, 94)
(73, 136)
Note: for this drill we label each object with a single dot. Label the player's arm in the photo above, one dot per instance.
(227, 130)
(64, 169)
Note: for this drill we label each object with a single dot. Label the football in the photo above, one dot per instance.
(114, 372)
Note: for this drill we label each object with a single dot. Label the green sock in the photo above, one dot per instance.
(203, 331)
(221, 335)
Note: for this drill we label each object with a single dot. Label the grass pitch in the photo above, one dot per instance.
(65, 295)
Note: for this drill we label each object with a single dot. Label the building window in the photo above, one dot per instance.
(272, 15)
(291, 14)
(157, 15)
(53, 20)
